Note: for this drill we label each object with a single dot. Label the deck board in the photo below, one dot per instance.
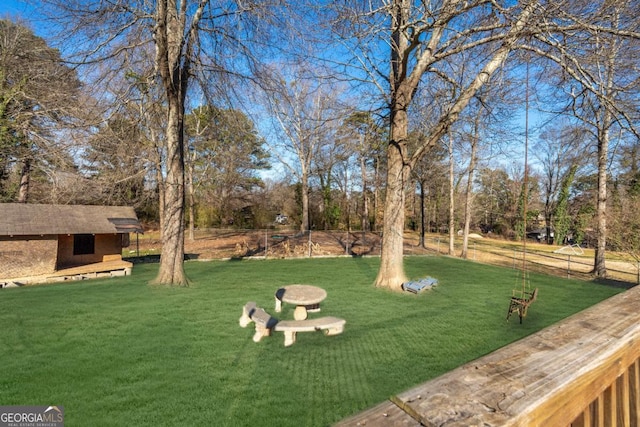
(98, 267)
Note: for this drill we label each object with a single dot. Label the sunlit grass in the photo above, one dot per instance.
(121, 352)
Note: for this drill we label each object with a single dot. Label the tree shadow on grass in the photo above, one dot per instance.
(615, 283)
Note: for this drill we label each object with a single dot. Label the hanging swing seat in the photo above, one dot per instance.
(521, 305)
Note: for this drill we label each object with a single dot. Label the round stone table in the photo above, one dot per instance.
(305, 297)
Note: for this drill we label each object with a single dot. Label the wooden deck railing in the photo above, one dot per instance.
(582, 371)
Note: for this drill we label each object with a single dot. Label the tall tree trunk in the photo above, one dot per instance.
(423, 221)
(468, 201)
(452, 210)
(25, 178)
(391, 274)
(403, 85)
(365, 201)
(376, 195)
(347, 208)
(191, 197)
(604, 127)
(174, 53)
(160, 181)
(304, 224)
(172, 258)
(599, 266)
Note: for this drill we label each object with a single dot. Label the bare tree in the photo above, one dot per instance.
(481, 129)
(39, 98)
(422, 45)
(363, 135)
(430, 175)
(225, 154)
(497, 198)
(452, 194)
(142, 104)
(602, 73)
(175, 34)
(560, 151)
(471, 168)
(598, 111)
(624, 227)
(190, 38)
(114, 163)
(305, 116)
(426, 38)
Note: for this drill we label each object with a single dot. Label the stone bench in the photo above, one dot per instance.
(265, 323)
(329, 324)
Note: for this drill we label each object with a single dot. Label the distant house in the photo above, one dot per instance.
(55, 242)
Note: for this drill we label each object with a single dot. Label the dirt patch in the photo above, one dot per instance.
(283, 243)
(220, 244)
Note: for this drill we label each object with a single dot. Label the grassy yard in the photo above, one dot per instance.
(119, 352)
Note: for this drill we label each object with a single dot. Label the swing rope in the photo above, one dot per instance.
(521, 303)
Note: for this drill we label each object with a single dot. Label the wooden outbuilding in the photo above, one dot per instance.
(40, 243)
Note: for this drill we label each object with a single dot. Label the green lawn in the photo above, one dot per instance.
(120, 352)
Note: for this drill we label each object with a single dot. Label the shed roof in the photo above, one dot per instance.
(22, 219)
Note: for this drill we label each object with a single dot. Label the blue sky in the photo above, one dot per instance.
(20, 9)
(28, 12)
(14, 7)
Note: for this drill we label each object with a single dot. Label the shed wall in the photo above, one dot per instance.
(23, 256)
(105, 244)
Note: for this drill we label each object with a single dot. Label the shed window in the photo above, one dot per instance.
(84, 244)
